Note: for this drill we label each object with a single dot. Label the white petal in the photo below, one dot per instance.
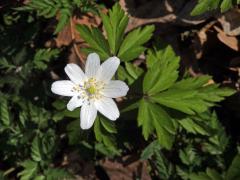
(75, 73)
(115, 89)
(107, 107)
(92, 65)
(108, 69)
(75, 101)
(63, 88)
(88, 115)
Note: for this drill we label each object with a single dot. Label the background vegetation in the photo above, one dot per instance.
(179, 119)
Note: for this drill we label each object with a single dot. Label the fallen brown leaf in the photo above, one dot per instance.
(229, 41)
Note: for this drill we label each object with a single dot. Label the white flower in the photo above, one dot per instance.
(93, 90)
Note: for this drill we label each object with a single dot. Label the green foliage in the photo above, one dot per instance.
(233, 171)
(36, 154)
(53, 8)
(95, 39)
(188, 157)
(162, 91)
(183, 138)
(150, 150)
(159, 162)
(162, 72)
(44, 56)
(104, 130)
(57, 174)
(4, 112)
(209, 5)
(115, 25)
(30, 170)
(152, 117)
(126, 47)
(132, 47)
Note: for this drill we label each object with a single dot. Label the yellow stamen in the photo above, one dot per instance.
(91, 90)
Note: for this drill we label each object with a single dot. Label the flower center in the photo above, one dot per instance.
(91, 90)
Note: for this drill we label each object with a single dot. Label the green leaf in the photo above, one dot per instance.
(150, 150)
(133, 70)
(57, 174)
(108, 125)
(194, 126)
(95, 39)
(4, 112)
(65, 15)
(226, 5)
(153, 117)
(182, 100)
(163, 70)
(30, 170)
(73, 129)
(35, 150)
(40, 177)
(189, 156)
(210, 174)
(213, 174)
(183, 173)
(233, 171)
(43, 57)
(163, 166)
(48, 143)
(192, 95)
(132, 47)
(115, 24)
(123, 75)
(199, 176)
(204, 6)
(104, 132)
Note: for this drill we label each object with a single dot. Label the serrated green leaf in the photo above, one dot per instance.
(48, 143)
(133, 70)
(226, 5)
(194, 127)
(163, 71)
(95, 39)
(73, 129)
(35, 150)
(152, 117)
(108, 125)
(30, 170)
(150, 150)
(123, 75)
(189, 156)
(103, 135)
(57, 174)
(4, 112)
(163, 166)
(233, 171)
(182, 100)
(191, 96)
(144, 119)
(132, 44)
(43, 56)
(40, 177)
(115, 24)
(182, 173)
(65, 15)
(213, 174)
(199, 176)
(204, 6)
